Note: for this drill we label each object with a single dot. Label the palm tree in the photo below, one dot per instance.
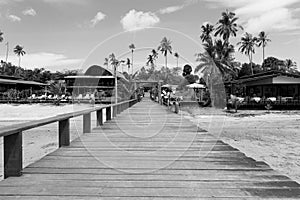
(206, 30)
(165, 47)
(132, 48)
(1, 36)
(150, 60)
(106, 62)
(128, 63)
(154, 54)
(176, 56)
(19, 51)
(227, 26)
(290, 65)
(262, 41)
(247, 46)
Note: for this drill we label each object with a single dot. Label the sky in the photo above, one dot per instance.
(74, 34)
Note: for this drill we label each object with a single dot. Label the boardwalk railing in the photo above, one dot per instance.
(12, 143)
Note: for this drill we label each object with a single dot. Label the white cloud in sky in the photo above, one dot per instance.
(29, 12)
(171, 9)
(80, 2)
(99, 17)
(45, 60)
(137, 20)
(13, 18)
(266, 15)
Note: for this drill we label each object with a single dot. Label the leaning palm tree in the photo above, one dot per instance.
(165, 48)
(262, 41)
(176, 56)
(247, 46)
(154, 55)
(206, 30)
(132, 48)
(19, 51)
(227, 26)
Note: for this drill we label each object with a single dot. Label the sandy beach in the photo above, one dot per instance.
(40, 141)
(270, 137)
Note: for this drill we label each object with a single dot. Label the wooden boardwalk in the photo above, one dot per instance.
(148, 152)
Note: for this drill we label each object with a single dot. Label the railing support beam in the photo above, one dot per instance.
(87, 123)
(13, 155)
(64, 133)
(99, 117)
(108, 113)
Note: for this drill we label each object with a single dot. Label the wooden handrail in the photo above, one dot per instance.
(13, 134)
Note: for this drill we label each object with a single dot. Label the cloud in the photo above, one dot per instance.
(267, 15)
(29, 12)
(13, 18)
(62, 2)
(46, 60)
(137, 20)
(99, 17)
(171, 9)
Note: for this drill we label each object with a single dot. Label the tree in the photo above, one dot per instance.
(165, 48)
(128, 63)
(132, 48)
(19, 51)
(106, 62)
(150, 60)
(227, 26)
(206, 30)
(247, 46)
(1, 36)
(176, 56)
(290, 65)
(262, 41)
(246, 69)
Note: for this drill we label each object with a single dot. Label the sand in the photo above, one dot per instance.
(40, 141)
(270, 137)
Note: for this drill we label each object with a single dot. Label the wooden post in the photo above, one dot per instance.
(13, 156)
(99, 117)
(159, 92)
(64, 133)
(114, 111)
(108, 113)
(87, 123)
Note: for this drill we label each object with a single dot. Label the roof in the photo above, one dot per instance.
(21, 82)
(96, 71)
(270, 77)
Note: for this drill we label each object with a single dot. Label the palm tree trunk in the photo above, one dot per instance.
(131, 62)
(19, 61)
(263, 54)
(250, 59)
(177, 62)
(166, 61)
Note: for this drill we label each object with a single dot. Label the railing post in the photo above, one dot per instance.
(87, 123)
(108, 113)
(64, 133)
(99, 117)
(114, 111)
(13, 156)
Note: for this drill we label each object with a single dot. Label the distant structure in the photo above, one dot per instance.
(96, 80)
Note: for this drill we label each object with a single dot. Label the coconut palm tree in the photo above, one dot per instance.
(206, 30)
(132, 48)
(290, 65)
(165, 48)
(262, 41)
(247, 46)
(106, 62)
(176, 56)
(1, 36)
(128, 63)
(19, 51)
(227, 26)
(150, 60)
